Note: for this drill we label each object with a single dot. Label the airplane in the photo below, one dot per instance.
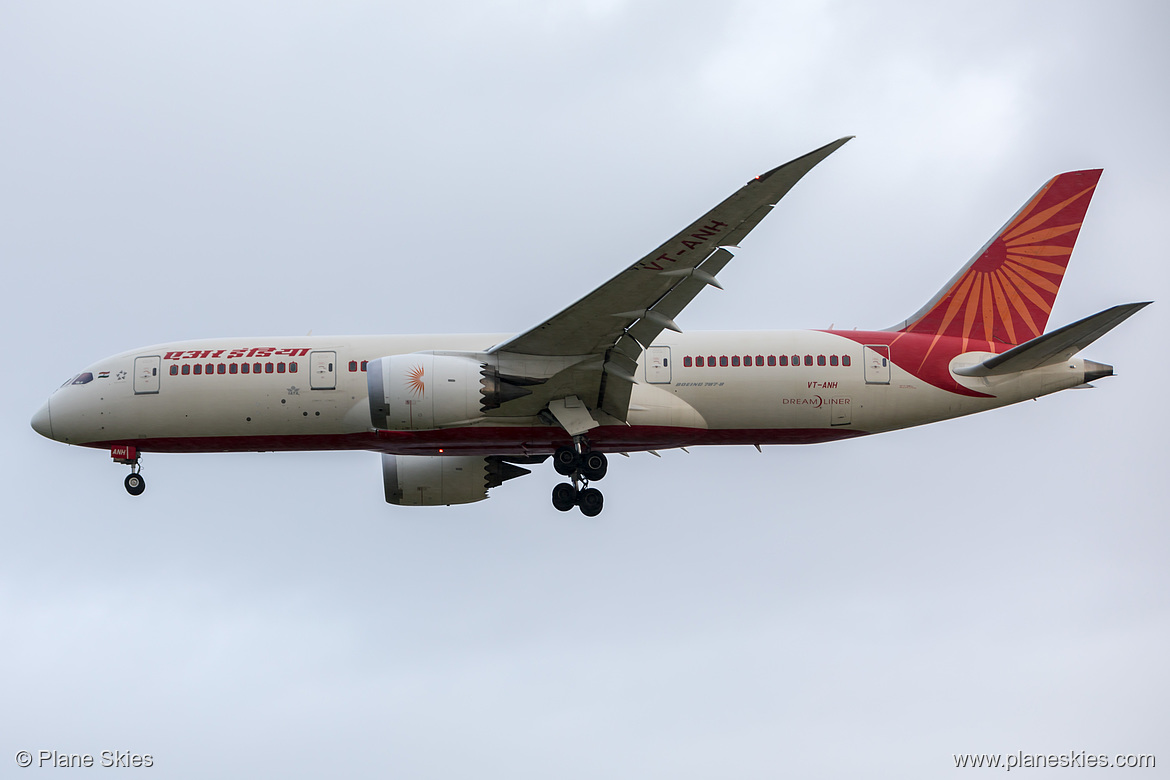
(454, 416)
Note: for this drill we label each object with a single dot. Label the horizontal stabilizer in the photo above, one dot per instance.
(1057, 346)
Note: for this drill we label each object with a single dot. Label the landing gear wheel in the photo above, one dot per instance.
(566, 461)
(593, 466)
(135, 484)
(564, 497)
(590, 500)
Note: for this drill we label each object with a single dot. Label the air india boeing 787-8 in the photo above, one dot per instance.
(456, 415)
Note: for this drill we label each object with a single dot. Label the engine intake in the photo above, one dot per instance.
(422, 391)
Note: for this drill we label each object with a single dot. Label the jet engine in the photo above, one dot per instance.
(426, 390)
(423, 391)
(442, 480)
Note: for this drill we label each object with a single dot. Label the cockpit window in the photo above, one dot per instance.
(83, 379)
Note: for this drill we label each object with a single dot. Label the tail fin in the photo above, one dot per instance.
(1005, 293)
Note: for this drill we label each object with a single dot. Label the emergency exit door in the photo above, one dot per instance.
(323, 370)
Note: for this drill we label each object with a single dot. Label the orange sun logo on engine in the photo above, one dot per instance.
(415, 381)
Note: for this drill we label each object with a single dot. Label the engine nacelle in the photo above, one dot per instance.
(422, 391)
(441, 480)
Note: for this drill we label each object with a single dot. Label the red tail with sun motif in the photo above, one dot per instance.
(1005, 294)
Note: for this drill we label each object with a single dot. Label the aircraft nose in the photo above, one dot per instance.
(42, 423)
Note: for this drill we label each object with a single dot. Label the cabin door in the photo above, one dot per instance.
(877, 364)
(323, 370)
(146, 374)
(658, 365)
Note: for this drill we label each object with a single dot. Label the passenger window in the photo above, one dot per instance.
(796, 360)
(832, 360)
(280, 368)
(723, 361)
(699, 361)
(268, 368)
(808, 360)
(353, 365)
(198, 368)
(820, 360)
(711, 361)
(256, 368)
(221, 369)
(759, 360)
(292, 367)
(734, 360)
(364, 364)
(245, 368)
(233, 368)
(210, 368)
(687, 361)
(186, 370)
(783, 360)
(174, 370)
(845, 360)
(772, 360)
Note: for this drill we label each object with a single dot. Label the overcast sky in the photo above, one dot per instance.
(866, 608)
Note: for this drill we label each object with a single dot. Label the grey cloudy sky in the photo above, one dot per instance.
(992, 584)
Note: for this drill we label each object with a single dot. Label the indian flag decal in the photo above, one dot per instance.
(103, 375)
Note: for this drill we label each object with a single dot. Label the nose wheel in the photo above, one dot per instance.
(581, 465)
(128, 456)
(135, 484)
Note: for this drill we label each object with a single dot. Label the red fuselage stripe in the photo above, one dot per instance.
(487, 440)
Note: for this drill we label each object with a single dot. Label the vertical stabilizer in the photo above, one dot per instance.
(1006, 292)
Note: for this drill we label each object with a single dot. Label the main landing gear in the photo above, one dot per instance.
(128, 456)
(582, 466)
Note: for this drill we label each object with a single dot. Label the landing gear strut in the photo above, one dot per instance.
(581, 465)
(128, 456)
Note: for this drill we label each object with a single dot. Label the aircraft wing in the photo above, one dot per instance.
(606, 330)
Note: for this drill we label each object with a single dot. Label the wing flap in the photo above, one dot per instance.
(661, 315)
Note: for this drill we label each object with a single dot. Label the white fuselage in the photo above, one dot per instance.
(310, 393)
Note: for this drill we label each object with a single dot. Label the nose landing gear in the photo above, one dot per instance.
(128, 456)
(582, 466)
(135, 484)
